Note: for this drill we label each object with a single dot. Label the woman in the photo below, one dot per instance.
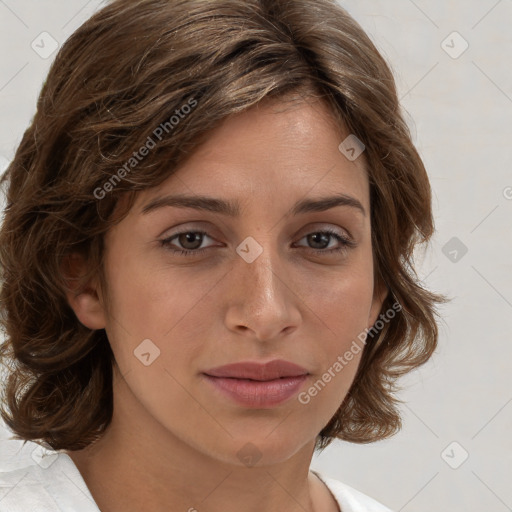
(207, 260)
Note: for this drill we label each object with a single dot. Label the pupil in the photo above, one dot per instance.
(190, 237)
(324, 238)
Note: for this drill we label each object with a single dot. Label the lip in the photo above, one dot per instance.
(258, 371)
(257, 385)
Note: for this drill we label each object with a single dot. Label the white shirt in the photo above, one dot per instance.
(53, 483)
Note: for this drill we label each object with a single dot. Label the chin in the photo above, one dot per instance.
(261, 449)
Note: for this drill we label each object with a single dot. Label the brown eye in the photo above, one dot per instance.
(190, 241)
(192, 237)
(319, 241)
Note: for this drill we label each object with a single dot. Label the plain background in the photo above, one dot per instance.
(455, 449)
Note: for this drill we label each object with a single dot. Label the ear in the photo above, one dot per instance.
(85, 302)
(380, 292)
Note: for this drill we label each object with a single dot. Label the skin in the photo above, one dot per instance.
(173, 440)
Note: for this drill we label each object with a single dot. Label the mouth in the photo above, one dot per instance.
(275, 369)
(257, 393)
(256, 385)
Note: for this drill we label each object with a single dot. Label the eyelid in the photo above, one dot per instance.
(310, 228)
(318, 227)
(345, 242)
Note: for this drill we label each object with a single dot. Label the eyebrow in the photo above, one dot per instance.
(232, 208)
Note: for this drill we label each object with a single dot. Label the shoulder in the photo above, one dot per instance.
(40, 480)
(350, 499)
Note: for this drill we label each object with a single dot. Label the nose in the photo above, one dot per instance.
(263, 301)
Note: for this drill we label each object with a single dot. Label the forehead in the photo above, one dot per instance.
(273, 153)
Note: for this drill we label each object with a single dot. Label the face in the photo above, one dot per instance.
(268, 280)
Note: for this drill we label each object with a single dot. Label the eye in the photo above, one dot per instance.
(191, 242)
(322, 238)
(183, 238)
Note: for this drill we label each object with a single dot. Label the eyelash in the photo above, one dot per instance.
(346, 243)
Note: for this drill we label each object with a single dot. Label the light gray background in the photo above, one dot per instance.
(459, 110)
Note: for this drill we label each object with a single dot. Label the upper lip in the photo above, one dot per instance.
(258, 371)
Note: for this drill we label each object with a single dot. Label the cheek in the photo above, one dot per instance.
(339, 306)
(157, 303)
(341, 299)
(339, 340)
(140, 294)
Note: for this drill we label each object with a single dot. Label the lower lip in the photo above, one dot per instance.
(258, 394)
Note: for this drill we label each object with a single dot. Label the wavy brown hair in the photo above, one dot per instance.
(123, 73)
